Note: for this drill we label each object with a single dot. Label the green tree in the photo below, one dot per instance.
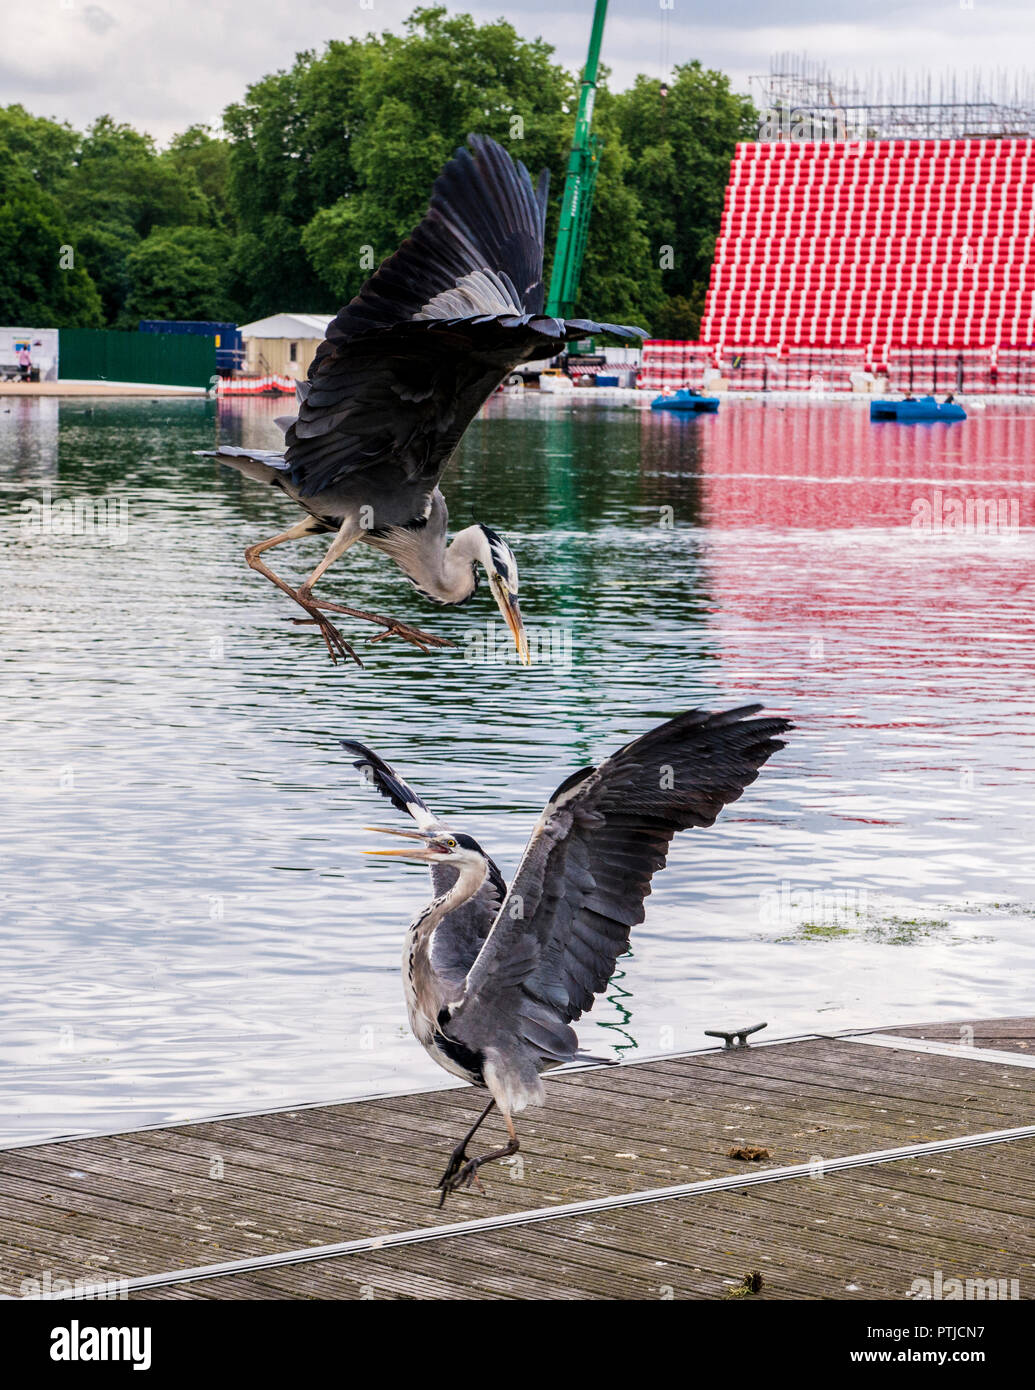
(678, 317)
(120, 190)
(121, 178)
(179, 273)
(288, 155)
(40, 283)
(344, 147)
(484, 78)
(621, 281)
(102, 249)
(45, 150)
(203, 159)
(290, 137)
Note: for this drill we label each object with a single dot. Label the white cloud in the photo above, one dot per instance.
(161, 67)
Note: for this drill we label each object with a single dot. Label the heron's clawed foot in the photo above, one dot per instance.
(463, 1171)
(392, 628)
(424, 640)
(336, 644)
(457, 1160)
(464, 1175)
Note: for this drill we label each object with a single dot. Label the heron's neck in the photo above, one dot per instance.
(426, 988)
(443, 572)
(469, 879)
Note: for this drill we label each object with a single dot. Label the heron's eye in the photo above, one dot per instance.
(451, 844)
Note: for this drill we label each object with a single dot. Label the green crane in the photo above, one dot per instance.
(579, 184)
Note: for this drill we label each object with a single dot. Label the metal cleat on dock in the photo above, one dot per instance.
(737, 1038)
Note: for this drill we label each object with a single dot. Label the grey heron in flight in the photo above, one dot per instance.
(403, 370)
(495, 976)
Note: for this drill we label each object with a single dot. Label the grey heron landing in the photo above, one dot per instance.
(403, 370)
(494, 977)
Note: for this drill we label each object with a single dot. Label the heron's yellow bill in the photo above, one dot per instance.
(411, 852)
(508, 606)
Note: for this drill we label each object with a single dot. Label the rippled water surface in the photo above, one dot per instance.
(188, 924)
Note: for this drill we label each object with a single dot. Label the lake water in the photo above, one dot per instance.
(188, 924)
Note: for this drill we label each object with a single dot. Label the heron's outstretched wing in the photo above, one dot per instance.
(406, 364)
(387, 781)
(460, 935)
(478, 249)
(264, 465)
(584, 876)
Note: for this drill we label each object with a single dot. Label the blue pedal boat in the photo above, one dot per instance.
(923, 408)
(687, 401)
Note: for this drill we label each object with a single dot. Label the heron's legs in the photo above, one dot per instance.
(348, 534)
(308, 526)
(469, 1172)
(459, 1155)
(346, 537)
(392, 627)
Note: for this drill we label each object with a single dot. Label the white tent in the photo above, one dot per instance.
(288, 326)
(283, 344)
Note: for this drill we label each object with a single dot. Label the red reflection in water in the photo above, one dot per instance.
(824, 586)
(828, 467)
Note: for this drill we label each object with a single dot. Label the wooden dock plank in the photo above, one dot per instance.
(166, 1199)
(801, 1235)
(1000, 1034)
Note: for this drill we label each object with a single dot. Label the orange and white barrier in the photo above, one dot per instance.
(256, 386)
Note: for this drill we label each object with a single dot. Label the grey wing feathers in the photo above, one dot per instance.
(587, 870)
(409, 361)
(387, 781)
(261, 464)
(483, 216)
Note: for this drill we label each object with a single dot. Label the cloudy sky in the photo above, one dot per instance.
(162, 66)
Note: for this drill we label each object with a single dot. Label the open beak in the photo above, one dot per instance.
(420, 856)
(508, 606)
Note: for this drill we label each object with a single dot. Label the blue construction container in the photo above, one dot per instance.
(229, 343)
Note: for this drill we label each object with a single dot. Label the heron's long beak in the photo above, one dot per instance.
(508, 606)
(422, 856)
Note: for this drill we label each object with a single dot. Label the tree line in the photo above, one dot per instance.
(322, 169)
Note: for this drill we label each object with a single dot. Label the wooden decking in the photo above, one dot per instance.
(161, 1201)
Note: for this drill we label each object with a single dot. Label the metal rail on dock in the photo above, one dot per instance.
(732, 1182)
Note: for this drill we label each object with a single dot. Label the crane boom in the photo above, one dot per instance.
(579, 185)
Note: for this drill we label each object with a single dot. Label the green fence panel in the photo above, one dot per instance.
(153, 359)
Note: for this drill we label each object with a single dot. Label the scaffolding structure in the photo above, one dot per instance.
(800, 98)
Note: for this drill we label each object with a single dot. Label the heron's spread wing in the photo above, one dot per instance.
(585, 873)
(406, 364)
(478, 249)
(264, 465)
(387, 781)
(460, 935)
